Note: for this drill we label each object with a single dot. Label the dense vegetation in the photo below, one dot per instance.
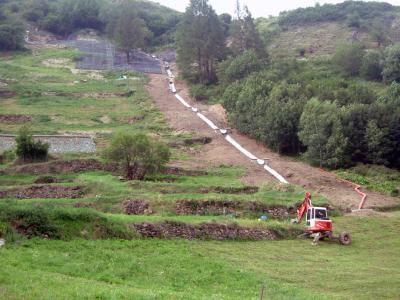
(331, 110)
(64, 17)
(356, 13)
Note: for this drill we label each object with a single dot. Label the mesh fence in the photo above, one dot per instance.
(102, 55)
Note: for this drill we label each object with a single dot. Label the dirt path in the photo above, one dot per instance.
(220, 152)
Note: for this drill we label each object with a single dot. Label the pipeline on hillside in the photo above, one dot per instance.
(228, 138)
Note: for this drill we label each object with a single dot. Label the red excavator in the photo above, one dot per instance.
(319, 226)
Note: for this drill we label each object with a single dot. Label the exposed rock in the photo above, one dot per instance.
(136, 207)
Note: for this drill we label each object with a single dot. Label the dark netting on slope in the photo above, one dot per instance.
(102, 55)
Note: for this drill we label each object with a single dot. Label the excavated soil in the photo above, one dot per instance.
(15, 118)
(63, 166)
(170, 189)
(206, 207)
(205, 231)
(86, 95)
(136, 207)
(219, 152)
(46, 180)
(224, 207)
(44, 191)
(172, 170)
(7, 94)
(229, 190)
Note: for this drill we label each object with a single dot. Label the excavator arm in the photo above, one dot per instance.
(303, 208)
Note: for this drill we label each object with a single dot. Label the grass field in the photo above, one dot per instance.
(93, 252)
(160, 269)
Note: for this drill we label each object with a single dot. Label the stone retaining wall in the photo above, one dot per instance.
(58, 143)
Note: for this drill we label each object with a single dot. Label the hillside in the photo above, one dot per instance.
(316, 31)
(124, 176)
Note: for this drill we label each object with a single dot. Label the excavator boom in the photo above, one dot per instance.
(302, 210)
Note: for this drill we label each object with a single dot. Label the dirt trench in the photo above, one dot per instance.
(204, 231)
(43, 191)
(17, 119)
(219, 152)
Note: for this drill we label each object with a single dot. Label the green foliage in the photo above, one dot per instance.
(373, 177)
(244, 34)
(352, 11)
(29, 150)
(321, 131)
(138, 154)
(372, 66)
(11, 35)
(348, 58)
(200, 43)
(126, 28)
(391, 70)
(239, 67)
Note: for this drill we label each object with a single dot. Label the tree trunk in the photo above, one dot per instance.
(128, 58)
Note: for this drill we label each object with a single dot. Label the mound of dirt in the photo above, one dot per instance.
(184, 172)
(15, 118)
(46, 180)
(64, 166)
(202, 140)
(7, 94)
(224, 207)
(230, 190)
(206, 207)
(44, 191)
(206, 231)
(275, 210)
(136, 207)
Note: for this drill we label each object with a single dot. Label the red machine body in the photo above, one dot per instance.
(319, 226)
(316, 217)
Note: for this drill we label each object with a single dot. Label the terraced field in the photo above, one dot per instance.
(75, 230)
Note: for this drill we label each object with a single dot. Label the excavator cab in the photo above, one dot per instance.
(317, 220)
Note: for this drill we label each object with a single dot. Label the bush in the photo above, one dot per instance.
(372, 66)
(391, 70)
(137, 154)
(348, 58)
(239, 67)
(32, 222)
(199, 92)
(29, 150)
(11, 37)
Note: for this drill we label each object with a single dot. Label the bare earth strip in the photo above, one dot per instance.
(220, 152)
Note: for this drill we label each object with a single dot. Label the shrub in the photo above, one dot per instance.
(11, 37)
(199, 92)
(391, 70)
(137, 154)
(32, 222)
(372, 66)
(29, 150)
(348, 58)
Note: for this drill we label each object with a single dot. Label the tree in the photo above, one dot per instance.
(391, 69)
(348, 58)
(126, 29)
(376, 140)
(226, 21)
(244, 33)
(239, 67)
(11, 36)
(137, 154)
(29, 150)
(201, 43)
(372, 66)
(322, 133)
